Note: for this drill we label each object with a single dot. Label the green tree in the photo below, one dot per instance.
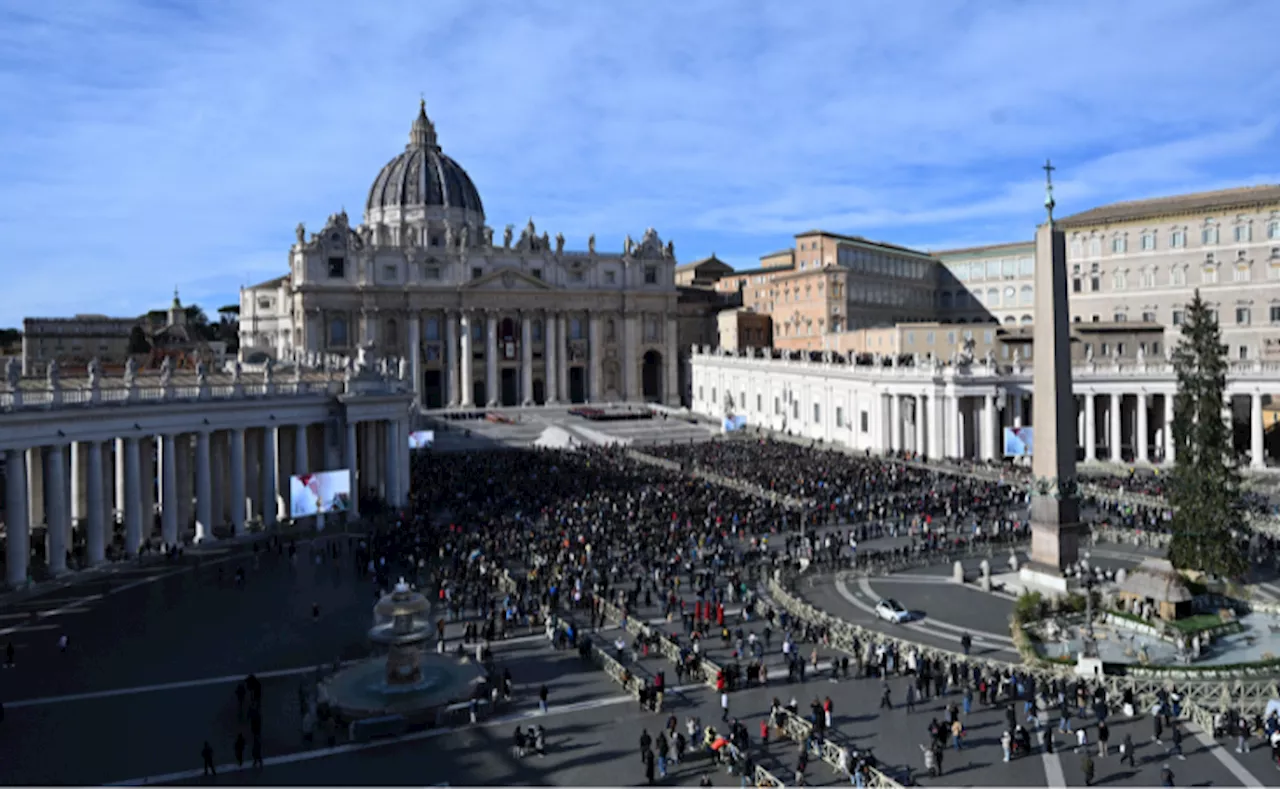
(138, 342)
(1206, 482)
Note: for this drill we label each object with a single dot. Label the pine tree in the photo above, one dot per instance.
(1206, 482)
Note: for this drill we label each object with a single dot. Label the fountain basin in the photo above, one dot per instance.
(362, 691)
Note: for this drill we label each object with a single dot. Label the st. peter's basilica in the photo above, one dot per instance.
(482, 322)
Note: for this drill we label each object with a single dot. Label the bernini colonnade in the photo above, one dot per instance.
(159, 459)
(1123, 408)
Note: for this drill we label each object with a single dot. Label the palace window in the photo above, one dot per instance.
(1273, 229)
(1148, 278)
(1095, 277)
(1148, 317)
(1095, 247)
(1120, 317)
(1178, 275)
(337, 267)
(1209, 235)
(1210, 275)
(1148, 241)
(1077, 249)
(610, 278)
(1244, 234)
(537, 273)
(817, 413)
(1178, 239)
(431, 273)
(1118, 245)
(338, 333)
(1119, 280)
(1275, 313)
(1243, 315)
(1179, 317)
(1242, 274)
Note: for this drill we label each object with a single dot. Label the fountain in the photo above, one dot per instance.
(408, 680)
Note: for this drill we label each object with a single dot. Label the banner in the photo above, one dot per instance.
(422, 439)
(1018, 442)
(323, 491)
(732, 423)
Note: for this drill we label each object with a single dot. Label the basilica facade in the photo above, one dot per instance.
(480, 321)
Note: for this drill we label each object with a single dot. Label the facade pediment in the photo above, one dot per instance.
(507, 279)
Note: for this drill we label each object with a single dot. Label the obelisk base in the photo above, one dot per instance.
(1055, 542)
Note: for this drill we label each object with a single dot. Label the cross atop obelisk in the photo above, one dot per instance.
(1055, 510)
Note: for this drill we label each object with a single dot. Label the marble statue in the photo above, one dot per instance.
(506, 236)
(1017, 357)
(1168, 352)
(486, 233)
(131, 370)
(202, 373)
(989, 359)
(1142, 354)
(669, 251)
(559, 243)
(166, 371)
(591, 243)
(269, 371)
(546, 241)
(13, 373)
(236, 372)
(301, 232)
(448, 235)
(1088, 353)
(464, 237)
(53, 375)
(628, 245)
(95, 372)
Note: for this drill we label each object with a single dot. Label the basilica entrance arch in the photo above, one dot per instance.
(651, 377)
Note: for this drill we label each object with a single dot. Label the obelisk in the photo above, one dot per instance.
(1055, 506)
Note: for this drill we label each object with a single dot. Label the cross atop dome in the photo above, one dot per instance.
(423, 132)
(1048, 187)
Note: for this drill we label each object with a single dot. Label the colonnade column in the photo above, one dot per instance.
(35, 487)
(236, 439)
(451, 355)
(18, 547)
(526, 357)
(301, 464)
(895, 422)
(217, 479)
(133, 501)
(562, 361)
(920, 417)
(491, 358)
(267, 474)
(1257, 445)
(76, 500)
(182, 463)
(204, 490)
(57, 511)
(1113, 416)
(935, 425)
(988, 429)
(96, 518)
(1090, 427)
(1170, 446)
(595, 352)
(671, 379)
(1141, 449)
(550, 357)
(466, 388)
(349, 456)
(168, 490)
(120, 497)
(415, 356)
(629, 360)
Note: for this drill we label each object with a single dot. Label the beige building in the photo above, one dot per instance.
(738, 329)
(703, 273)
(521, 320)
(1143, 260)
(991, 284)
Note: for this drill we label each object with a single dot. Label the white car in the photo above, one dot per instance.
(891, 610)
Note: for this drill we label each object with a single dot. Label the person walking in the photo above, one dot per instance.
(1006, 744)
(238, 747)
(206, 753)
(257, 752)
(1086, 767)
(1126, 750)
(724, 706)
(1175, 733)
(1104, 735)
(542, 699)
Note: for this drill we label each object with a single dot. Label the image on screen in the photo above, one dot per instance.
(321, 492)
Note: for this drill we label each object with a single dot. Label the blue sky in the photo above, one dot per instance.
(148, 145)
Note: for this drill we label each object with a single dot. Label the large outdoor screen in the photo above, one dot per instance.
(321, 492)
(422, 439)
(732, 423)
(1018, 441)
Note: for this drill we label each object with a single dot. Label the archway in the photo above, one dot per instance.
(651, 377)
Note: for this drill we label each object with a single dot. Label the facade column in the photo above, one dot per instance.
(1170, 446)
(451, 357)
(1113, 416)
(35, 487)
(392, 430)
(1141, 450)
(415, 355)
(466, 387)
(186, 491)
(267, 476)
(1090, 427)
(562, 369)
(168, 491)
(935, 426)
(150, 486)
(959, 422)
(108, 490)
(550, 358)
(134, 510)
(95, 524)
(17, 556)
(238, 504)
(988, 428)
(671, 379)
(78, 492)
(921, 411)
(120, 497)
(595, 359)
(58, 511)
(204, 489)
(895, 422)
(491, 359)
(526, 357)
(350, 457)
(1257, 443)
(217, 480)
(630, 348)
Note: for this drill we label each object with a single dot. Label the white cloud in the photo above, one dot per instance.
(161, 145)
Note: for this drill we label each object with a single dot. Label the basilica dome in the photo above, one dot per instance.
(422, 177)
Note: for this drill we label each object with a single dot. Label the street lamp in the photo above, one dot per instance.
(1090, 645)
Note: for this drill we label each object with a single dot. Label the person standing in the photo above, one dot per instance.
(724, 706)
(206, 753)
(542, 699)
(1086, 767)
(1126, 750)
(1104, 735)
(239, 750)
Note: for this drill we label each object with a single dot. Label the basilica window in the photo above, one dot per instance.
(338, 333)
(337, 268)
(537, 331)
(575, 328)
(477, 272)
(651, 275)
(432, 329)
(650, 329)
(431, 273)
(537, 273)
(576, 277)
(610, 278)
(389, 272)
(392, 333)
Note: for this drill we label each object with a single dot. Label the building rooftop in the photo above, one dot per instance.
(862, 240)
(1221, 200)
(709, 259)
(979, 250)
(271, 283)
